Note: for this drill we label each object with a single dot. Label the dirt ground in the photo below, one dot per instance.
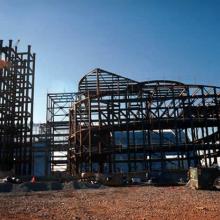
(137, 202)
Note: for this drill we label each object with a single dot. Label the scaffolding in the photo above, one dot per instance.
(58, 105)
(121, 125)
(16, 108)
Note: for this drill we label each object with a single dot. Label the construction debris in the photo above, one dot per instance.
(204, 178)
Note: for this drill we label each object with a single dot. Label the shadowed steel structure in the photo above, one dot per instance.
(121, 125)
(16, 108)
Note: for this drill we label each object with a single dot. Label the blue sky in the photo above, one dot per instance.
(142, 40)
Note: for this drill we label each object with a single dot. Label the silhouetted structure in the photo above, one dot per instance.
(16, 108)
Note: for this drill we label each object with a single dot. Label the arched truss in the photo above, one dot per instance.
(120, 125)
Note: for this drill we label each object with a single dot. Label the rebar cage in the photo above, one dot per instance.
(16, 108)
(120, 125)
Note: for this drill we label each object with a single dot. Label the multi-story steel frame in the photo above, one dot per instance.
(114, 120)
(58, 105)
(16, 108)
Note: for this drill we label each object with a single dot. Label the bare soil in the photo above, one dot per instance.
(137, 202)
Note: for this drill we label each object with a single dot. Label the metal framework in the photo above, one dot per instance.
(16, 108)
(121, 125)
(58, 105)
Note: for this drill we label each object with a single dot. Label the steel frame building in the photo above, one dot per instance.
(57, 132)
(16, 108)
(114, 120)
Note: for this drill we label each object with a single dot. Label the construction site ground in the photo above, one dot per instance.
(136, 202)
